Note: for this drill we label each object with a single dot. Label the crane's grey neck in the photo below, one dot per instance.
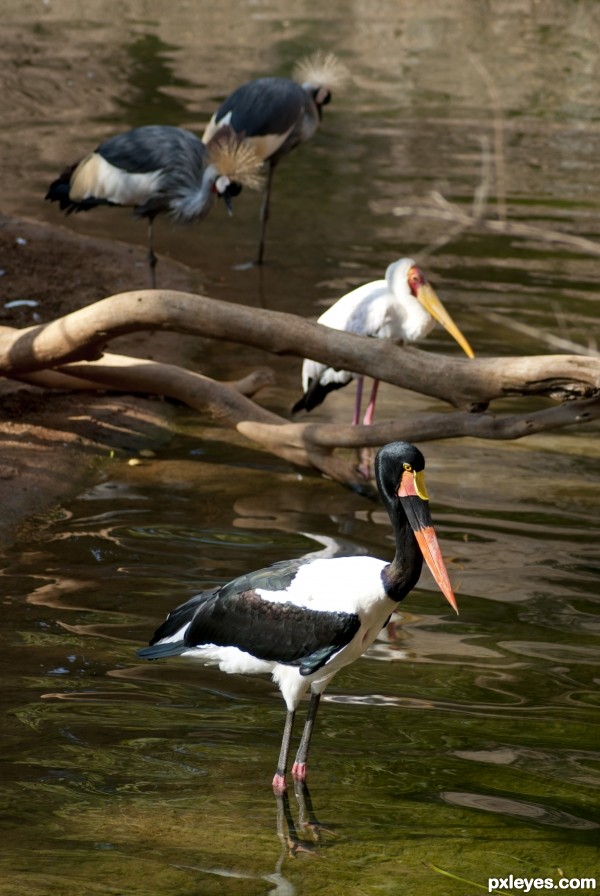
(191, 202)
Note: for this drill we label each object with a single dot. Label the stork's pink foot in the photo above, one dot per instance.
(299, 771)
(279, 783)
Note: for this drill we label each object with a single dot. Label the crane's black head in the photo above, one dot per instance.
(321, 97)
(390, 463)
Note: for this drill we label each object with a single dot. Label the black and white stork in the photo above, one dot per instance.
(303, 620)
(159, 169)
(277, 114)
(403, 307)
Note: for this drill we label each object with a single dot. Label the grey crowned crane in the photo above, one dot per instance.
(303, 620)
(159, 169)
(277, 114)
(403, 307)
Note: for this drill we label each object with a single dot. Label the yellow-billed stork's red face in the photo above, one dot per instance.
(425, 294)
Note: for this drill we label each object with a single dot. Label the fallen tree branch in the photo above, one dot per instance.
(469, 384)
(430, 426)
(224, 403)
(56, 379)
(303, 444)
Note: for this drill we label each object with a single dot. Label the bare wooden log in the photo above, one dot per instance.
(429, 426)
(304, 444)
(469, 384)
(54, 379)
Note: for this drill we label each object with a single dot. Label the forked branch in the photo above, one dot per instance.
(64, 344)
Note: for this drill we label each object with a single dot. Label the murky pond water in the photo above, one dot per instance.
(462, 748)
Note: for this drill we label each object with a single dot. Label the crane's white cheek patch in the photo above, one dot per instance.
(96, 178)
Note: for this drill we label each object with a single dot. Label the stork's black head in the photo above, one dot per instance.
(390, 463)
(399, 470)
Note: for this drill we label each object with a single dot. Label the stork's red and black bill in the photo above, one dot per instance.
(415, 503)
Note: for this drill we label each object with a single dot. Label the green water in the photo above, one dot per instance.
(462, 748)
(467, 745)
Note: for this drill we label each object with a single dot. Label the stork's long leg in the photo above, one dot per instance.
(152, 259)
(265, 211)
(358, 401)
(299, 767)
(279, 782)
(370, 412)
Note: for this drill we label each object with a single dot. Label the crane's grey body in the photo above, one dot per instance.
(179, 176)
(276, 114)
(273, 114)
(158, 169)
(155, 169)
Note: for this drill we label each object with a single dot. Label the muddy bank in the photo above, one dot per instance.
(53, 444)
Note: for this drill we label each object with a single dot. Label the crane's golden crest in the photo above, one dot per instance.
(321, 70)
(235, 158)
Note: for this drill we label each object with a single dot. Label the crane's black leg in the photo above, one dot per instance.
(279, 782)
(264, 213)
(152, 259)
(299, 767)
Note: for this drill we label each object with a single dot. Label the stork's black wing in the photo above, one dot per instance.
(237, 615)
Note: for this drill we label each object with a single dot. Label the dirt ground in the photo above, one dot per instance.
(52, 444)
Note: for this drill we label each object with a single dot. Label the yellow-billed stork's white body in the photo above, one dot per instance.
(403, 307)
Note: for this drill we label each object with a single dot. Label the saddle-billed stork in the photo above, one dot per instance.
(159, 169)
(303, 620)
(403, 307)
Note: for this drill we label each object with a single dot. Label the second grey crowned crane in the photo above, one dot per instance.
(159, 169)
(276, 114)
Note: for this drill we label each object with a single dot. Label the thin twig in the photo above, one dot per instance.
(499, 154)
(550, 339)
